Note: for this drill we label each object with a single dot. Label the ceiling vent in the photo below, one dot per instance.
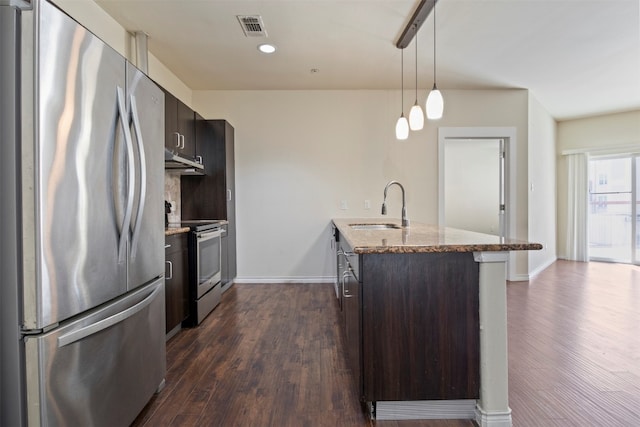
(252, 25)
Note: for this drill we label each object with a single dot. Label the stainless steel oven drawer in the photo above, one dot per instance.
(207, 302)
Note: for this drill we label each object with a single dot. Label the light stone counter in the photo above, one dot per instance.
(421, 238)
(175, 230)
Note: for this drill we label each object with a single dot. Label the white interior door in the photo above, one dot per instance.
(473, 187)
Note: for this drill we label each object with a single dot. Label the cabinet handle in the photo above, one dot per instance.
(182, 143)
(347, 256)
(344, 287)
(228, 194)
(170, 270)
(199, 159)
(177, 139)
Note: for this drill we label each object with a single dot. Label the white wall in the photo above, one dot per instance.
(542, 185)
(612, 132)
(299, 153)
(93, 17)
(600, 132)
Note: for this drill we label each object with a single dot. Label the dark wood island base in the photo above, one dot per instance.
(424, 314)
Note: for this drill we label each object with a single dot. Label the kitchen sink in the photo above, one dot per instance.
(374, 226)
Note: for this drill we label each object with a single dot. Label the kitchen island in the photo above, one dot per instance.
(424, 315)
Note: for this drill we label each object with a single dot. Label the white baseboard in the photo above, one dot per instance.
(493, 418)
(518, 278)
(532, 274)
(426, 410)
(288, 279)
(541, 268)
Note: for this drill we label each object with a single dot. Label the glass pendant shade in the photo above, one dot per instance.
(402, 125)
(402, 128)
(416, 117)
(435, 104)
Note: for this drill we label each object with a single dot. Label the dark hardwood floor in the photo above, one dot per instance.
(272, 355)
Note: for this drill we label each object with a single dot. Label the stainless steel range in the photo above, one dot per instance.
(205, 290)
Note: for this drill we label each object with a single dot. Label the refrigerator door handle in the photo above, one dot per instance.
(126, 221)
(94, 328)
(143, 176)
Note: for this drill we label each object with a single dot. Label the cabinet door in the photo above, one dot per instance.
(171, 138)
(186, 128)
(176, 281)
(230, 198)
(420, 326)
(340, 267)
(351, 310)
(179, 127)
(204, 145)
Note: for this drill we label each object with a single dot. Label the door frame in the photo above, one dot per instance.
(508, 134)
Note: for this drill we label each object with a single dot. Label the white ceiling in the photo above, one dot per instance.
(578, 57)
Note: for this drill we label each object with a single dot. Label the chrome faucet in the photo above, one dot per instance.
(405, 220)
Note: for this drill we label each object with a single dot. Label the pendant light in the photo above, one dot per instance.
(416, 116)
(435, 103)
(402, 125)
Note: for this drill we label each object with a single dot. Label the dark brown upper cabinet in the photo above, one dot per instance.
(179, 125)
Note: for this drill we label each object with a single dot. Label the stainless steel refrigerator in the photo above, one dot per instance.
(82, 229)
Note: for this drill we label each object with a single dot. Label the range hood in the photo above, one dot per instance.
(181, 165)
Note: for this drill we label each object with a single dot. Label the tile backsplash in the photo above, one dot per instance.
(172, 195)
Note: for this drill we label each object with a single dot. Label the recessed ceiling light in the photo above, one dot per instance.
(266, 48)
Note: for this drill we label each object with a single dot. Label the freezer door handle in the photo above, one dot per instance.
(143, 176)
(94, 328)
(126, 220)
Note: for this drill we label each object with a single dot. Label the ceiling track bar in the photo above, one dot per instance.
(419, 16)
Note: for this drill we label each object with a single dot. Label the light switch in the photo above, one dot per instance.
(343, 205)
(367, 204)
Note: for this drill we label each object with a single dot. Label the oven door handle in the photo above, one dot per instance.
(203, 236)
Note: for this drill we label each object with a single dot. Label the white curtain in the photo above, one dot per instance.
(577, 189)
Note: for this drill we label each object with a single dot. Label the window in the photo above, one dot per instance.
(614, 232)
(602, 179)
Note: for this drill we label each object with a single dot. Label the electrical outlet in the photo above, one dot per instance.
(343, 205)
(367, 204)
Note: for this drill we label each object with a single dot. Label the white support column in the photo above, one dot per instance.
(493, 409)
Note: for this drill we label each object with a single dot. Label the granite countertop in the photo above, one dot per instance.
(422, 238)
(177, 227)
(171, 230)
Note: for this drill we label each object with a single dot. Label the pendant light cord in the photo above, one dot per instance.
(402, 79)
(416, 27)
(434, 42)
